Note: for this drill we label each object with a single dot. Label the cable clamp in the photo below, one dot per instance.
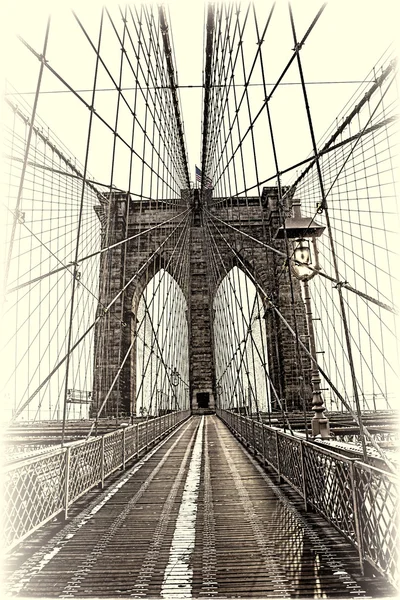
(297, 47)
(20, 216)
(340, 284)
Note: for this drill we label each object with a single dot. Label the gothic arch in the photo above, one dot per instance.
(240, 344)
(161, 347)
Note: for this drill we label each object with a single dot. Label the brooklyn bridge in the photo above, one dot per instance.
(200, 361)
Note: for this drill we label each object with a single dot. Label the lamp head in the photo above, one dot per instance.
(298, 227)
(302, 253)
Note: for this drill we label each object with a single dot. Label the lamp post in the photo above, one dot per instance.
(305, 265)
(175, 378)
(219, 394)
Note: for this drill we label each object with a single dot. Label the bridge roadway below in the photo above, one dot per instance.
(197, 517)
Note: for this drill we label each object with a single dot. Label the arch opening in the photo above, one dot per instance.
(240, 346)
(161, 361)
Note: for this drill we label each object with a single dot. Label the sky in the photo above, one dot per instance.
(347, 41)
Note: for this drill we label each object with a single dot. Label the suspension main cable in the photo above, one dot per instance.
(337, 282)
(361, 425)
(27, 148)
(93, 254)
(90, 327)
(278, 400)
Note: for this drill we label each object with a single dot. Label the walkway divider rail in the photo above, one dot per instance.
(359, 500)
(37, 489)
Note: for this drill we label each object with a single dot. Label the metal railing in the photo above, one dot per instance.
(37, 489)
(361, 501)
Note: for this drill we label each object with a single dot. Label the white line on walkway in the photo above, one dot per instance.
(41, 559)
(178, 575)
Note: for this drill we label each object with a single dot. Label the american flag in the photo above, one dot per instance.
(207, 180)
(198, 174)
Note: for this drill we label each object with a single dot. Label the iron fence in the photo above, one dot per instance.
(39, 488)
(360, 500)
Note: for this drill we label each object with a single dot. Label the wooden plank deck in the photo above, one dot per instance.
(197, 517)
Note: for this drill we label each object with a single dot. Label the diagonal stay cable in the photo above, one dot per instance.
(365, 429)
(146, 305)
(337, 282)
(63, 268)
(305, 161)
(278, 400)
(93, 254)
(90, 108)
(90, 327)
(42, 58)
(283, 73)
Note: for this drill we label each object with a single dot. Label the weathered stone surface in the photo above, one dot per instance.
(116, 327)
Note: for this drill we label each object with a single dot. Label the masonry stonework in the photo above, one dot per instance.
(202, 374)
(124, 218)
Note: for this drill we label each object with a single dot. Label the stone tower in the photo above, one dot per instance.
(258, 217)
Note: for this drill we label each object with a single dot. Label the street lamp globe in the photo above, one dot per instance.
(175, 377)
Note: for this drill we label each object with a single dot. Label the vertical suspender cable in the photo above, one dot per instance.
(78, 234)
(27, 148)
(331, 240)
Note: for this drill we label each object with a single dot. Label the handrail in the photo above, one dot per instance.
(359, 500)
(39, 488)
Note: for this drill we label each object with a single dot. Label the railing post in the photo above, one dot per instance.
(254, 437)
(147, 435)
(278, 458)
(102, 463)
(263, 443)
(137, 440)
(356, 512)
(123, 449)
(303, 475)
(67, 459)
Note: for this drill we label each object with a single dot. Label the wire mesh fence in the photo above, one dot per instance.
(360, 500)
(38, 489)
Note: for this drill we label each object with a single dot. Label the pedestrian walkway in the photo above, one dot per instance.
(197, 517)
